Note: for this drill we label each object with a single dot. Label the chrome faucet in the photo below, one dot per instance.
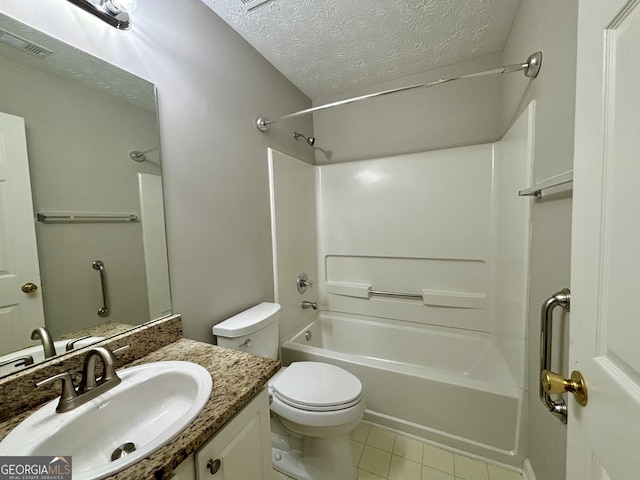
(44, 336)
(306, 304)
(90, 386)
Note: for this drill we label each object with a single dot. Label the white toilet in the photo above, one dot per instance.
(314, 405)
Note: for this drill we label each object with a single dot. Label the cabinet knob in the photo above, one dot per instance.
(214, 465)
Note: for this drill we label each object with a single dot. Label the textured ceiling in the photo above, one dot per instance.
(73, 64)
(327, 47)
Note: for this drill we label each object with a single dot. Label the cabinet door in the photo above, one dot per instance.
(186, 470)
(242, 449)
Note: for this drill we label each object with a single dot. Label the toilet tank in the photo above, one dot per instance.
(255, 330)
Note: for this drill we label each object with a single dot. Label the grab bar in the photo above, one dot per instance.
(395, 294)
(103, 311)
(434, 298)
(85, 217)
(558, 299)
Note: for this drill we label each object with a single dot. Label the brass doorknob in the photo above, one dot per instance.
(553, 383)
(29, 287)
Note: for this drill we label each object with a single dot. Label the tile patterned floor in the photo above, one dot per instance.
(382, 454)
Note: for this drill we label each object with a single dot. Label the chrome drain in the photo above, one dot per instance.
(123, 450)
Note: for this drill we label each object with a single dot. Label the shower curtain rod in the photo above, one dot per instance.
(531, 68)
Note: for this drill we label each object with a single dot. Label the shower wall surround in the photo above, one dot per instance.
(512, 233)
(445, 225)
(293, 230)
(406, 224)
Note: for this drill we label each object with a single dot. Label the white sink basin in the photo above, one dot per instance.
(151, 406)
(37, 352)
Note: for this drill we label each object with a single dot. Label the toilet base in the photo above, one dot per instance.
(289, 463)
(306, 458)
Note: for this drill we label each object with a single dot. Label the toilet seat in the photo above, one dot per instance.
(317, 387)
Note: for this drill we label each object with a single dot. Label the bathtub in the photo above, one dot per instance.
(451, 388)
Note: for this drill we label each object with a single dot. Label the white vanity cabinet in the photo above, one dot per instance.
(186, 470)
(240, 450)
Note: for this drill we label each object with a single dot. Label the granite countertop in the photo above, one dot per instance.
(107, 329)
(237, 378)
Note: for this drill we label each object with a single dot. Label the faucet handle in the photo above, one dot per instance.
(71, 344)
(69, 393)
(303, 282)
(121, 349)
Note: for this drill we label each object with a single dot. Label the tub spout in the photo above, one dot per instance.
(306, 304)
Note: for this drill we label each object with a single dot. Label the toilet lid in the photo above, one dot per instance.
(317, 386)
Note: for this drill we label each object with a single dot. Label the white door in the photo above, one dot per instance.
(20, 312)
(604, 436)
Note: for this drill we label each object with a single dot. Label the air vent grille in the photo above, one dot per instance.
(249, 4)
(24, 45)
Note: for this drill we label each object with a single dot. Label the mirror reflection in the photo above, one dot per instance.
(82, 238)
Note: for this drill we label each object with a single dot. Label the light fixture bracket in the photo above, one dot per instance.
(120, 20)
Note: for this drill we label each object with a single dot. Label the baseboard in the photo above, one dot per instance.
(527, 470)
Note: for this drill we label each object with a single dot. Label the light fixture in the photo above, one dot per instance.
(109, 11)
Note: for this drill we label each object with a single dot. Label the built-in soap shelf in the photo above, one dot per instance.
(434, 298)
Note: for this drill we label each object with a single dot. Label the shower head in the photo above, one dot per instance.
(310, 140)
(138, 156)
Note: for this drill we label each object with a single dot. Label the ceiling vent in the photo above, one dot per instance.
(249, 4)
(24, 45)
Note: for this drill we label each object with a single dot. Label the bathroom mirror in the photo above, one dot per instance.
(93, 201)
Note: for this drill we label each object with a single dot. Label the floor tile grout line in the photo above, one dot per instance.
(396, 435)
(380, 450)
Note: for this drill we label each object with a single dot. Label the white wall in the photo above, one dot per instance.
(550, 26)
(211, 86)
(293, 223)
(461, 113)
